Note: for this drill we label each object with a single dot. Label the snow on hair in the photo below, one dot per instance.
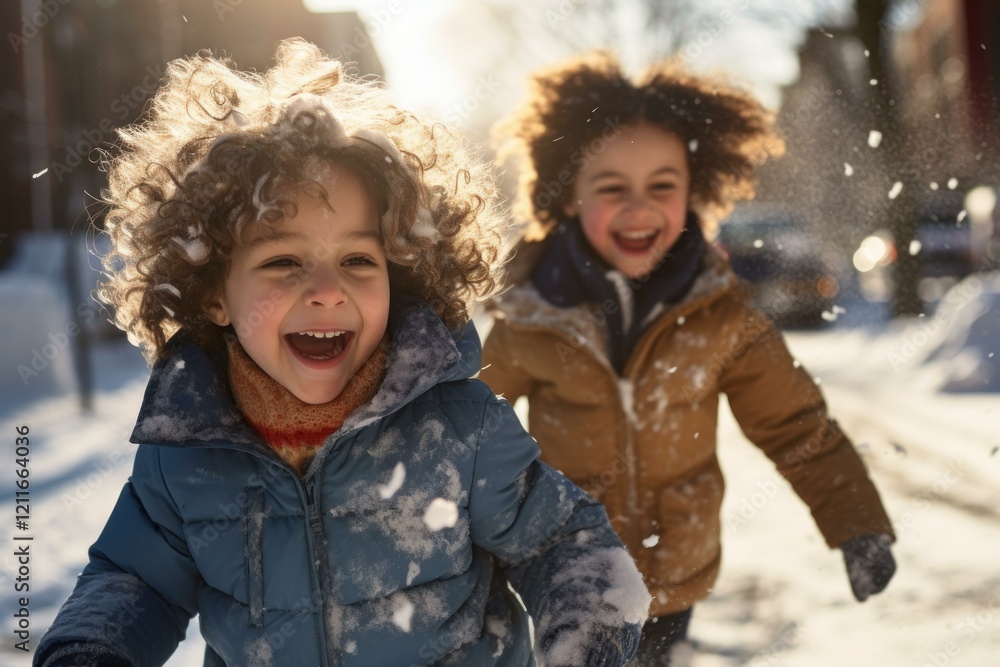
(221, 149)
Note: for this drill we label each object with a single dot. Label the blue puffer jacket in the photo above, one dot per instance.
(339, 567)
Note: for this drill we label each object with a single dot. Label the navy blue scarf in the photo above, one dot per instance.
(571, 273)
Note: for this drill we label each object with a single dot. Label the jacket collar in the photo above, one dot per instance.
(524, 306)
(188, 402)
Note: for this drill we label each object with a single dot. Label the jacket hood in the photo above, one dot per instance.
(188, 401)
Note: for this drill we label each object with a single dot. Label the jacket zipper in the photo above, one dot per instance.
(316, 537)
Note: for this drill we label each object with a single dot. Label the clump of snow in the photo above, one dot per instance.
(952, 183)
(389, 489)
(651, 541)
(874, 138)
(351, 647)
(179, 365)
(402, 615)
(897, 187)
(915, 246)
(167, 287)
(848, 170)
(412, 572)
(441, 513)
(423, 226)
(195, 249)
(626, 591)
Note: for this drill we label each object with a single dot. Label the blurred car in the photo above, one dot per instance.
(794, 274)
(950, 242)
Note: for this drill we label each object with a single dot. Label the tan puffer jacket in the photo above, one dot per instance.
(644, 444)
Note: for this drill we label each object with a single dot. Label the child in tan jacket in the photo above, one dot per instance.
(624, 326)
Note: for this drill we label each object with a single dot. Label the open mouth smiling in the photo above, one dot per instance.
(636, 241)
(319, 345)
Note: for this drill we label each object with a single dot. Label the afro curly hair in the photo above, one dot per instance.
(222, 149)
(574, 107)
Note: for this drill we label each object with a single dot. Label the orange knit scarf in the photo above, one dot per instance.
(293, 429)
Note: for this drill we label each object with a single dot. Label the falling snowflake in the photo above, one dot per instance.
(897, 187)
(874, 138)
(848, 170)
(651, 541)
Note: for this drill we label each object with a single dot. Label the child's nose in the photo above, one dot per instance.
(325, 289)
(636, 202)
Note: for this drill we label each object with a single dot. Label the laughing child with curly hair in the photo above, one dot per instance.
(317, 476)
(624, 327)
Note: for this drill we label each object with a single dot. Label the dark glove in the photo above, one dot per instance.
(869, 563)
(608, 647)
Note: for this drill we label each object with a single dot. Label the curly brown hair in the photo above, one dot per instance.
(572, 105)
(221, 149)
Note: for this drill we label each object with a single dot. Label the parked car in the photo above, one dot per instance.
(950, 242)
(794, 274)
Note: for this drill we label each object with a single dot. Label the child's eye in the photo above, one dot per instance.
(359, 260)
(281, 262)
(663, 187)
(610, 190)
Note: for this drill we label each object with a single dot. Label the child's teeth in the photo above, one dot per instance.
(320, 334)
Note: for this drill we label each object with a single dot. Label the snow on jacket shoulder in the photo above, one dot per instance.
(394, 548)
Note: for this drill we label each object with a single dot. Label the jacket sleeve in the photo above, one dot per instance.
(501, 369)
(581, 587)
(134, 599)
(781, 410)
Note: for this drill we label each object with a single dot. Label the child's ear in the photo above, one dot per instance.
(216, 312)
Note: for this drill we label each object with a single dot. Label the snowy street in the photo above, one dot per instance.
(783, 597)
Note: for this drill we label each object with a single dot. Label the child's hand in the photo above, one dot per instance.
(869, 563)
(604, 646)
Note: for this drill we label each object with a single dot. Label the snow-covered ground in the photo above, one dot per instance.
(783, 597)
